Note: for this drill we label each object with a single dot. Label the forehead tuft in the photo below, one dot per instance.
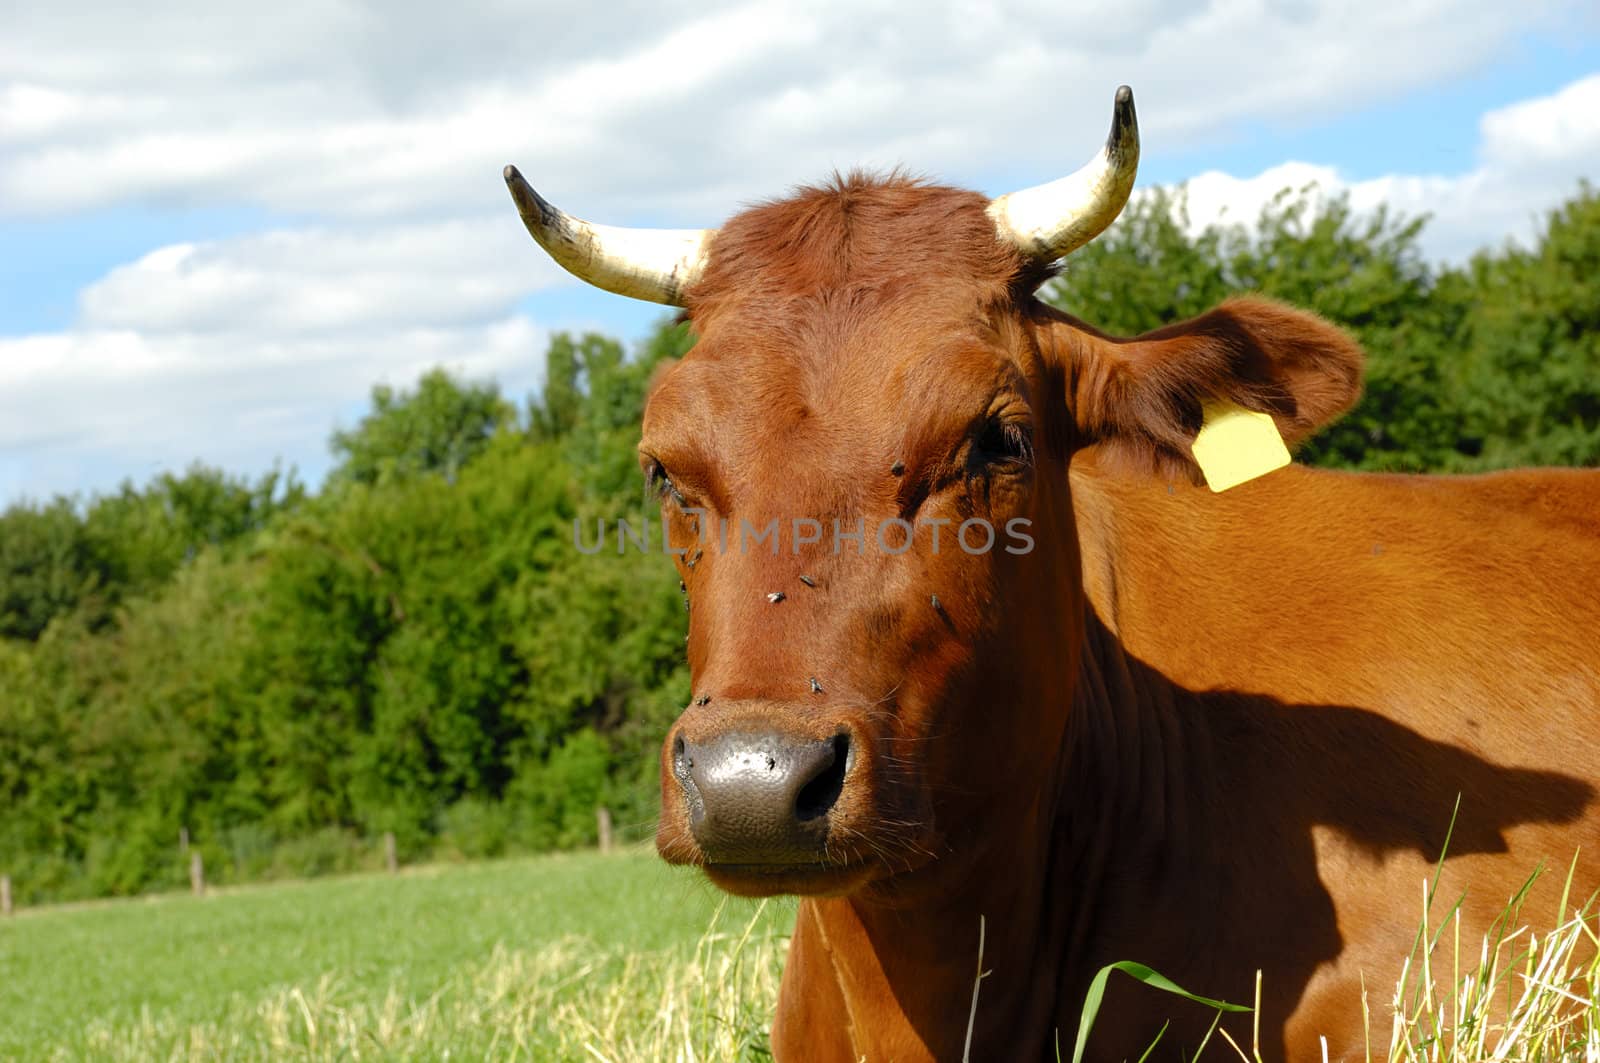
(859, 232)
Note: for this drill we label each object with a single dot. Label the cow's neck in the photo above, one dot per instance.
(906, 953)
(1039, 872)
(908, 957)
(1160, 783)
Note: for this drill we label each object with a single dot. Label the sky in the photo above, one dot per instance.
(221, 224)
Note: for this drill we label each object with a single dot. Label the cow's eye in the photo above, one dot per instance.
(1003, 442)
(661, 485)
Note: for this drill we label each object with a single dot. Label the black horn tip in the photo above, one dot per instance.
(1124, 123)
(521, 191)
(522, 194)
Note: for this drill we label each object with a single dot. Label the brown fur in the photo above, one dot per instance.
(1209, 733)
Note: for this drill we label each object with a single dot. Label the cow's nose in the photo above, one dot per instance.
(761, 798)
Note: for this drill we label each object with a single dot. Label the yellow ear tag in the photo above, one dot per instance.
(1236, 444)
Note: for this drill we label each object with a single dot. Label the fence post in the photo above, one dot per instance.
(391, 853)
(5, 894)
(197, 873)
(602, 817)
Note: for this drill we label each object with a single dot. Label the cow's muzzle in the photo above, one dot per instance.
(762, 798)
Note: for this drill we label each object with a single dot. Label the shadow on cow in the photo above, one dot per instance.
(1241, 809)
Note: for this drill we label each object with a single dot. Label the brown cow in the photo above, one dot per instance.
(1211, 733)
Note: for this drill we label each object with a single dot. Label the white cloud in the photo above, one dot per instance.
(671, 112)
(1550, 129)
(1531, 157)
(325, 280)
(135, 403)
(240, 351)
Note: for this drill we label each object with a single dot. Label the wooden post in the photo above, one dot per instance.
(5, 894)
(197, 873)
(391, 853)
(602, 817)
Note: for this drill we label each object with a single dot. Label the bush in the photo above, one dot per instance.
(475, 829)
(332, 850)
(554, 802)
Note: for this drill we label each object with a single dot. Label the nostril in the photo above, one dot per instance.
(681, 760)
(818, 796)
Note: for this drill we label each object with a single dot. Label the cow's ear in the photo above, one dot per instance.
(1141, 399)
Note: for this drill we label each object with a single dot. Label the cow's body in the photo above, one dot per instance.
(1296, 680)
(1376, 646)
(1207, 733)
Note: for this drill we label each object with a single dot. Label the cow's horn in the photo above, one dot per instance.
(1051, 220)
(652, 264)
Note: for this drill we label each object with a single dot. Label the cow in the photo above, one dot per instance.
(1117, 716)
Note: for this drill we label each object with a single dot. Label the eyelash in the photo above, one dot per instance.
(1008, 442)
(661, 485)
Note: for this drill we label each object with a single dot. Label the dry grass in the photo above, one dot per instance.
(569, 1000)
(1520, 994)
(1517, 995)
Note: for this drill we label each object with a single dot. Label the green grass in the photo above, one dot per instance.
(547, 958)
(604, 958)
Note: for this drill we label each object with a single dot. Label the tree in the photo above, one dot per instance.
(62, 556)
(45, 567)
(437, 428)
(1529, 369)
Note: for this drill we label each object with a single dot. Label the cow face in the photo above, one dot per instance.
(863, 462)
(860, 459)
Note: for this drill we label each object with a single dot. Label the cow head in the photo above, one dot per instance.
(864, 462)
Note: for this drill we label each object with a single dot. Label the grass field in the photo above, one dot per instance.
(596, 958)
(564, 957)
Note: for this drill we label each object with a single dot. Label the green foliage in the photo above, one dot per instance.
(1532, 367)
(417, 649)
(556, 804)
(438, 428)
(599, 432)
(44, 567)
(61, 557)
(476, 829)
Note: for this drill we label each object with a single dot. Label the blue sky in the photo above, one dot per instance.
(221, 228)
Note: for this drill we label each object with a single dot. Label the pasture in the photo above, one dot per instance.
(597, 957)
(582, 956)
